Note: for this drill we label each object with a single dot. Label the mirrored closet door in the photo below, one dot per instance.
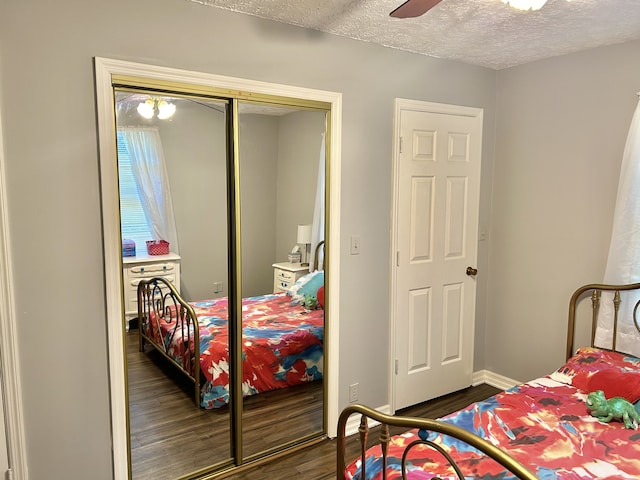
(281, 156)
(221, 204)
(173, 172)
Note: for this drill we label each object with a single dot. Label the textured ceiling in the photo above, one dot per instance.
(488, 33)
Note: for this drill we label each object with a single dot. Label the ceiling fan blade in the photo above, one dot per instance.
(414, 8)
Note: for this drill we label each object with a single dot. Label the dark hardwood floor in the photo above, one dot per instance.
(171, 437)
(318, 462)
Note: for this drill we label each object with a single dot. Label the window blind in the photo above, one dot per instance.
(133, 221)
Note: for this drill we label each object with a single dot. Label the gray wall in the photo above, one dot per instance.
(561, 128)
(258, 150)
(194, 144)
(276, 152)
(560, 132)
(299, 153)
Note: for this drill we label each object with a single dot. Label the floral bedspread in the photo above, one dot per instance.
(544, 424)
(282, 346)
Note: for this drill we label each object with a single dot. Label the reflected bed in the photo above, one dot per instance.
(283, 337)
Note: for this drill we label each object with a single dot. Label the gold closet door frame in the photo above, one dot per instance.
(232, 97)
(106, 70)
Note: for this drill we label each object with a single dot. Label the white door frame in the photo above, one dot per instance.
(11, 401)
(399, 105)
(104, 69)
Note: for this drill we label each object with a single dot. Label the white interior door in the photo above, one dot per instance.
(437, 176)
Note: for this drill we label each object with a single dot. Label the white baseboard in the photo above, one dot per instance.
(354, 420)
(493, 379)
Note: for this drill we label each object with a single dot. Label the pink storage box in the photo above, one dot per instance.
(157, 247)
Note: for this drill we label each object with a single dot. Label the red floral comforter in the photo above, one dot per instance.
(282, 346)
(543, 424)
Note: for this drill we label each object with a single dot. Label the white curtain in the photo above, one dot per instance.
(317, 227)
(623, 264)
(147, 159)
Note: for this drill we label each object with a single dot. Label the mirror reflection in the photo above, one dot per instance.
(282, 168)
(172, 165)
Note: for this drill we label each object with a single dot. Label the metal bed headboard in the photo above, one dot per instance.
(596, 293)
(437, 426)
(316, 255)
(159, 299)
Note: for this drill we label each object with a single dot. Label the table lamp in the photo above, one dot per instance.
(304, 239)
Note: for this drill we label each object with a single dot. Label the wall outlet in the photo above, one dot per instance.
(483, 234)
(353, 393)
(217, 287)
(355, 245)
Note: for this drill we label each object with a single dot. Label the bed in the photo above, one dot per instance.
(542, 429)
(283, 337)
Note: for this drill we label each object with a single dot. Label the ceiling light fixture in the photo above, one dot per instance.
(148, 108)
(526, 4)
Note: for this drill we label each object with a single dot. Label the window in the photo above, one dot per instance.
(133, 221)
(623, 263)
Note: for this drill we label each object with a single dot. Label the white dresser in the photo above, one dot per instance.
(285, 275)
(144, 267)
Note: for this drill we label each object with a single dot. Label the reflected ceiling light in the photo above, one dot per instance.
(165, 110)
(148, 108)
(526, 4)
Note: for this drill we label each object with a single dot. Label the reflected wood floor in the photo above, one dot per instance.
(167, 446)
(172, 437)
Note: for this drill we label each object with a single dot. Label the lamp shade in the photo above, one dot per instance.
(304, 234)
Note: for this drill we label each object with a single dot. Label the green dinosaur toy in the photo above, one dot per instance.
(310, 302)
(616, 408)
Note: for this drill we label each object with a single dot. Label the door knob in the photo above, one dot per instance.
(472, 272)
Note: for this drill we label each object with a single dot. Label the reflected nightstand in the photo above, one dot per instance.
(285, 275)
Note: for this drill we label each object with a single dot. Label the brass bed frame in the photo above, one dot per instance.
(596, 293)
(500, 456)
(158, 298)
(387, 421)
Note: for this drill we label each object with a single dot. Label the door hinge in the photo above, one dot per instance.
(398, 258)
(400, 141)
(396, 367)
(8, 475)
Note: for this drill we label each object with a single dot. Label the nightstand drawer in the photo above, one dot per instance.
(152, 270)
(132, 283)
(131, 293)
(144, 267)
(282, 285)
(286, 274)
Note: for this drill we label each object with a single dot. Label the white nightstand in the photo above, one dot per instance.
(285, 275)
(144, 267)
